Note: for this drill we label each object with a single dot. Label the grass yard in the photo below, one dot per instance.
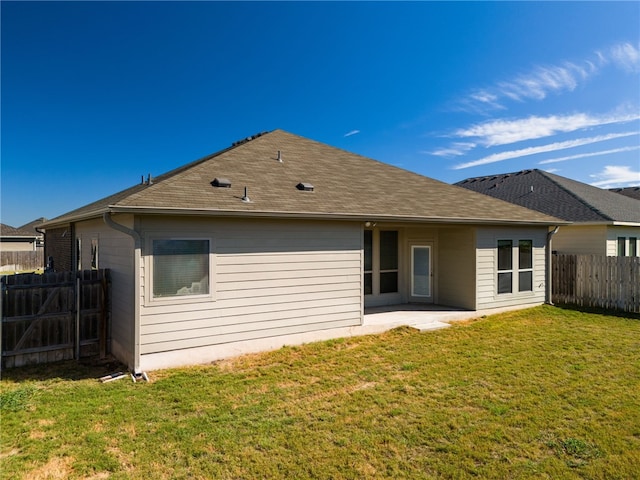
(541, 393)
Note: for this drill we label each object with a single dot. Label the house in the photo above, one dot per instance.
(34, 227)
(604, 222)
(18, 249)
(17, 239)
(278, 239)
(633, 192)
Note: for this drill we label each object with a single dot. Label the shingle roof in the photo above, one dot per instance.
(346, 185)
(32, 225)
(557, 196)
(633, 192)
(9, 231)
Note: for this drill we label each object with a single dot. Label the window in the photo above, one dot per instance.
(622, 244)
(180, 267)
(381, 262)
(94, 254)
(388, 261)
(633, 247)
(525, 266)
(368, 262)
(505, 266)
(78, 254)
(519, 278)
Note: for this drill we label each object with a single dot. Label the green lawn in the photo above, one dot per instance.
(541, 393)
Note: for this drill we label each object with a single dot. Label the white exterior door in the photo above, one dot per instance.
(421, 273)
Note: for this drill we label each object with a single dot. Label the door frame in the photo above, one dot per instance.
(421, 298)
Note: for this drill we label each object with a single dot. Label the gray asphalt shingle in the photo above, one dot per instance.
(557, 196)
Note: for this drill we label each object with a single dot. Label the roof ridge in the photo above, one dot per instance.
(103, 203)
(187, 166)
(550, 176)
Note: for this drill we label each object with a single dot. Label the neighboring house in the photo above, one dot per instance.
(17, 239)
(18, 249)
(604, 222)
(280, 236)
(35, 227)
(633, 192)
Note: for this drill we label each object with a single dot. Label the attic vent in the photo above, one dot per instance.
(221, 182)
(305, 187)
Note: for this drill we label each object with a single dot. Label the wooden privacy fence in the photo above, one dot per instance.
(55, 316)
(597, 281)
(17, 261)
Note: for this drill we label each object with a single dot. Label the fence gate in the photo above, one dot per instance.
(55, 316)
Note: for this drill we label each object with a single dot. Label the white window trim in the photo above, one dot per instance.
(521, 270)
(150, 300)
(515, 268)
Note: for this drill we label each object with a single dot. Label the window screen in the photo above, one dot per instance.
(525, 266)
(180, 267)
(388, 261)
(622, 244)
(505, 266)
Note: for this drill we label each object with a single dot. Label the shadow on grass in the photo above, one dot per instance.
(598, 311)
(65, 370)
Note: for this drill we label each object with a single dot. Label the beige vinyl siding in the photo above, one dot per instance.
(581, 240)
(612, 234)
(486, 267)
(115, 252)
(18, 246)
(270, 278)
(457, 268)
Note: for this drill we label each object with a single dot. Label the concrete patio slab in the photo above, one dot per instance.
(423, 317)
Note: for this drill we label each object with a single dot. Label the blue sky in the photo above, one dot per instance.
(96, 94)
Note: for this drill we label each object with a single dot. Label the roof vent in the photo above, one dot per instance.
(221, 182)
(248, 139)
(279, 156)
(245, 197)
(305, 187)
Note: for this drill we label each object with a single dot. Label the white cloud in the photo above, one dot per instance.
(614, 176)
(626, 56)
(502, 132)
(590, 154)
(524, 152)
(538, 83)
(455, 150)
(352, 132)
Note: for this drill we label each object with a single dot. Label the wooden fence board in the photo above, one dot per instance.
(39, 316)
(597, 281)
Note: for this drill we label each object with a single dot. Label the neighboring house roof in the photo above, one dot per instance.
(345, 185)
(557, 196)
(633, 192)
(32, 225)
(11, 233)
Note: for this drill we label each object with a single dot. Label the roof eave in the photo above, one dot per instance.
(67, 220)
(13, 238)
(611, 223)
(323, 216)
